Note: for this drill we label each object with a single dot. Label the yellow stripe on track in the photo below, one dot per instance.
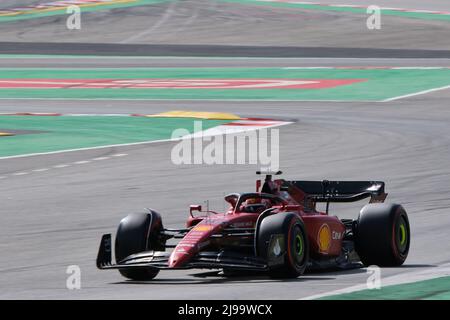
(195, 114)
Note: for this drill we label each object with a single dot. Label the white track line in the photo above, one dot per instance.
(416, 93)
(25, 56)
(19, 173)
(82, 162)
(100, 158)
(86, 149)
(364, 68)
(184, 100)
(117, 145)
(331, 5)
(58, 166)
(402, 278)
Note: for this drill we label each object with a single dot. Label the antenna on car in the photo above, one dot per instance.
(267, 180)
(269, 173)
(325, 193)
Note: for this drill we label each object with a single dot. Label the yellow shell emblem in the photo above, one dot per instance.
(324, 238)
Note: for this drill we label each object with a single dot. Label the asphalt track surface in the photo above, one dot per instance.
(108, 49)
(212, 23)
(194, 62)
(52, 219)
(55, 218)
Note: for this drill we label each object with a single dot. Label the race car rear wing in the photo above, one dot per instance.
(340, 191)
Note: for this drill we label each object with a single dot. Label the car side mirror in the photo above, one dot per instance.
(194, 207)
(291, 207)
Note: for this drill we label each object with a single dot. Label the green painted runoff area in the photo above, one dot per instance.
(63, 10)
(379, 84)
(404, 14)
(434, 289)
(57, 133)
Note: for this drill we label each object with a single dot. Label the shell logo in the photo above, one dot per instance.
(324, 238)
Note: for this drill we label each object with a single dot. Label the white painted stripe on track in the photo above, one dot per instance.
(25, 56)
(87, 149)
(416, 93)
(58, 166)
(82, 162)
(368, 68)
(136, 143)
(230, 129)
(358, 6)
(185, 100)
(419, 68)
(19, 173)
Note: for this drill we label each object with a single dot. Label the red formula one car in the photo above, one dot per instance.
(276, 230)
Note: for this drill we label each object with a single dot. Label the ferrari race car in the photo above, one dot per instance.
(276, 230)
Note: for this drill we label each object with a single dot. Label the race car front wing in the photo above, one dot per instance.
(160, 259)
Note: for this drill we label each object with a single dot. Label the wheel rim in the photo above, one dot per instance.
(298, 247)
(402, 235)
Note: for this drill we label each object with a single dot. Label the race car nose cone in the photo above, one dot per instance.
(177, 259)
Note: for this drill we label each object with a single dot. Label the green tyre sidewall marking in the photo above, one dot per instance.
(402, 235)
(299, 245)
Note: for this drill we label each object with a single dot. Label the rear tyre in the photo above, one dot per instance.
(138, 232)
(282, 241)
(382, 235)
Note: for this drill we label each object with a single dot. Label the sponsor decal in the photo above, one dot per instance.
(175, 83)
(324, 238)
(186, 244)
(246, 224)
(336, 235)
(276, 248)
(202, 228)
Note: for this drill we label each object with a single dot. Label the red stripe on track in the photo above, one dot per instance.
(31, 114)
(256, 124)
(175, 83)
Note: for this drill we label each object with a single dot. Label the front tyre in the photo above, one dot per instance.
(283, 243)
(138, 232)
(382, 235)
